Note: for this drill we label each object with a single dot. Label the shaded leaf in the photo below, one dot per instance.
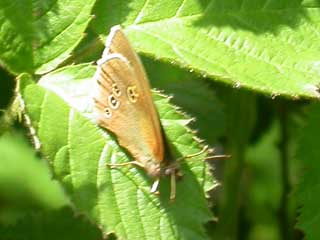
(36, 36)
(59, 224)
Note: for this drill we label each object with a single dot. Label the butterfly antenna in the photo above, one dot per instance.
(172, 186)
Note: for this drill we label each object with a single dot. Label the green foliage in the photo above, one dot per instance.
(308, 189)
(212, 57)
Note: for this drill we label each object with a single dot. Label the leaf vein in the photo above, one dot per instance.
(71, 113)
(180, 8)
(140, 14)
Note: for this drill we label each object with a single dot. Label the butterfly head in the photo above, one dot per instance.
(172, 169)
(156, 169)
(153, 168)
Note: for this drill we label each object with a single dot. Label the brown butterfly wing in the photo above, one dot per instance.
(125, 105)
(117, 42)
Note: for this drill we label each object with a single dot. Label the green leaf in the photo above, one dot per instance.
(24, 176)
(308, 191)
(268, 46)
(119, 200)
(36, 36)
(60, 224)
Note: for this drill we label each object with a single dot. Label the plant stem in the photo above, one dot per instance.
(283, 145)
(241, 113)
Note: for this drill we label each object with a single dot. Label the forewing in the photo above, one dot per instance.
(118, 43)
(122, 108)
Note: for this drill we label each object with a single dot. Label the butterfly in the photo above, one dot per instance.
(124, 106)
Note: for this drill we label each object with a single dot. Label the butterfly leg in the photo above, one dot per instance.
(218, 157)
(172, 186)
(155, 186)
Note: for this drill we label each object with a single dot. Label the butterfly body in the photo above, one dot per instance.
(125, 107)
